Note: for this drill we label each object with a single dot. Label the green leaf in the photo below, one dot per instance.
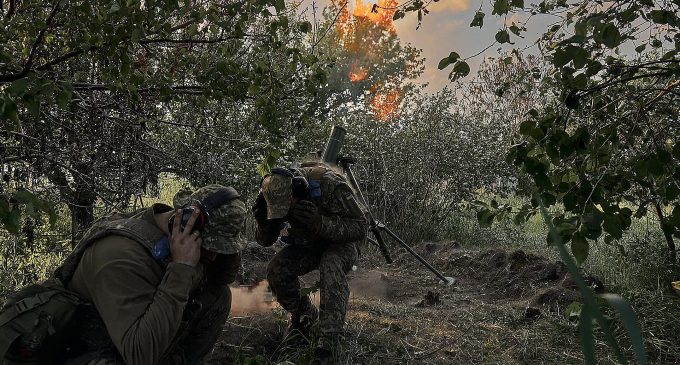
(655, 165)
(542, 181)
(398, 15)
(502, 36)
(676, 150)
(485, 218)
(309, 290)
(581, 57)
(610, 35)
(517, 3)
(663, 17)
(573, 311)
(500, 7)
(674, 218)
(460, 69)
(585, 326)
(33, 104)
(570, 201)
(12, 221)
(561, 57)
(115, 7)
(266, 165)
(305, 27)
(640, 48)
(612, 224)
(453, 57)
(526, 127)
(478, 20)
(63, 98)
(8, 110)
(579, 247)
(664, 156)
(591, 225)
(631, 325)
(24, 197)
(581, 28)
(18, 87)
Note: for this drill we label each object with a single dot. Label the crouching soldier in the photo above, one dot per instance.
(154, 283)
(324, 224)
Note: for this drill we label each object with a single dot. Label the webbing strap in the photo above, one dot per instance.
(26, 304)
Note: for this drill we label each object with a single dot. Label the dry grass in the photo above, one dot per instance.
(474, 323)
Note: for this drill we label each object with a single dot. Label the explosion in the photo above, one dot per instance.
(384, 102)
(357, 73)
(386, 105)
(380, 13)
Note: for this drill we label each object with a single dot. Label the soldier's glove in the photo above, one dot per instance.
(306, 212)
(260, 210)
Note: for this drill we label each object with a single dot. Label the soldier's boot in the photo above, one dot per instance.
(329, 349)
(303, 323)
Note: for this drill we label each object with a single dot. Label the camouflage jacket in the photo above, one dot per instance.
(342, 216)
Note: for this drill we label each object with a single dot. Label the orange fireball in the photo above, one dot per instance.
(357, 73)
(380, 13)
(386, 105)
(385, 101)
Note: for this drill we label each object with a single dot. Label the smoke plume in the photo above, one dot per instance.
(252, 299)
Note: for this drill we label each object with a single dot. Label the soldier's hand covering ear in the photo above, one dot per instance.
(306, 212)
(260, 210)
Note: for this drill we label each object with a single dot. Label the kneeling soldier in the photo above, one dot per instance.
(324, 224)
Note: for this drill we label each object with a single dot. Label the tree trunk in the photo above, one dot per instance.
(82, 214)
(669, 237)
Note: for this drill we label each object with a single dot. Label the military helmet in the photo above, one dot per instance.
(278, 193)
(223, 233)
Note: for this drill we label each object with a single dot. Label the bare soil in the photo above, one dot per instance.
(505, 308)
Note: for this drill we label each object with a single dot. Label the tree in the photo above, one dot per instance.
(609, 143)
(371, 69)
(80, 100)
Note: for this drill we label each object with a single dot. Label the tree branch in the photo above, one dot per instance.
(12, 9)
(104, 87)
(63, 58)
(615, 81)
(186, 41)
(38, 41)
(41, 36)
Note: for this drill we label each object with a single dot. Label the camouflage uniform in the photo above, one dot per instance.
(332, 248)
(142, 310)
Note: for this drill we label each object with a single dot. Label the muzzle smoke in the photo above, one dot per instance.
(257, 299)
(252, 299)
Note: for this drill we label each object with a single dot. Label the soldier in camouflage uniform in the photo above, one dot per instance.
(154, 292)
(323, 231)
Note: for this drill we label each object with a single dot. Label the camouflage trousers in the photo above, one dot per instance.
(202, 322)
(334, 261)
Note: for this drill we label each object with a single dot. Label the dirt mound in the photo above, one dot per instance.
(518, 275)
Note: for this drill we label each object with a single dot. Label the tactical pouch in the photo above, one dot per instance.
(34, 324)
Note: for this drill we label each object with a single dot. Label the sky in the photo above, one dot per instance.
(447, 28)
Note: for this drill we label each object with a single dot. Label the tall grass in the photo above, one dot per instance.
(638, 261)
